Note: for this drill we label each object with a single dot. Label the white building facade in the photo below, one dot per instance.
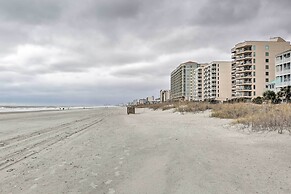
(283, 70)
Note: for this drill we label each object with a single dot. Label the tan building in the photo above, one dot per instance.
(217, 81)
(198, 77)
(182, 81)
(253, 66)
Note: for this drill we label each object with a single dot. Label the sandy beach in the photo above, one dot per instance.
(105, 150)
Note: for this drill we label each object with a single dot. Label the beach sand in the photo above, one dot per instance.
(105, 150)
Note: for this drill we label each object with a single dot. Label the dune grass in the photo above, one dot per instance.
(265, 117)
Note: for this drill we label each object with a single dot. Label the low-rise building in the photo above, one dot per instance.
(150, 99)
(164, 95)
(142, 101)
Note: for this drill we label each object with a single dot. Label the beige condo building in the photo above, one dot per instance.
(182, 81)
(217, 81)
(198, 83)
(253, 66)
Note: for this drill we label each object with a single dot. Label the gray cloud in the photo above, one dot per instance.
(96, 52)
(30, 11)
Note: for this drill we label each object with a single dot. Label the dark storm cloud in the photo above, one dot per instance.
(30, 11)
(111, 50)
(109, 10)
(227, 12)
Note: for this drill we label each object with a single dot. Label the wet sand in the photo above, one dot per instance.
(107, 151)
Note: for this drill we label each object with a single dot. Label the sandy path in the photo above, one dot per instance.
(107, 151)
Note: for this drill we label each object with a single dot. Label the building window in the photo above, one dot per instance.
(267, 66)
(267, 79)
(254, 47)
(267, 73)
(254, 80)
(266, 54)
(254, 54)
(254, 60)
(254, 73)
(267, 60)
(267, 47)
(254, 67)
(254, 93)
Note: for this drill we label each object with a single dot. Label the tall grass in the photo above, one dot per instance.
(264, 117)
(233, 111)
(193, 107)
(179, 106)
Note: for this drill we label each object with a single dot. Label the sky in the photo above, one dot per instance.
(97, 52)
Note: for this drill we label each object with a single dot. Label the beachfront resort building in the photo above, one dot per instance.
(198, 82)
(182, 81)
(217, 81)
(283, 70)
(253, 66)
(164, 95)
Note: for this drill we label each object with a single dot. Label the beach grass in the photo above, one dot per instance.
(263, 117)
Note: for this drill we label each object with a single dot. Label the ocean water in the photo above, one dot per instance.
(4, 109)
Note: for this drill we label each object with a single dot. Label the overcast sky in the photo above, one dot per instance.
(95, 52)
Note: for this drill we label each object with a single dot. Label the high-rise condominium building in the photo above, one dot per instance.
(253, 66)
(283, 70)
(182, 81)
(198, 83)
(217, 81)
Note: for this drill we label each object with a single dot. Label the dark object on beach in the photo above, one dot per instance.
(130, 110)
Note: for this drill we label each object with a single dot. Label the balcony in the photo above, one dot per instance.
(244, 94)
(245, 88)
(283, 84)
(284, 71)
(244, 76)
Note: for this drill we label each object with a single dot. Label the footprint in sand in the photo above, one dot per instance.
(93, 185)
(108, 182)
(117, 173)
(33, 186)
(111, 191)
(126, 152)
(94, 173)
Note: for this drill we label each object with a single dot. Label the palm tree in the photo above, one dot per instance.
(285, 93)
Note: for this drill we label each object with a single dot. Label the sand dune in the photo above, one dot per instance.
(107, 151)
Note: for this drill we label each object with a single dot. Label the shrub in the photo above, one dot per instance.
(258, 100)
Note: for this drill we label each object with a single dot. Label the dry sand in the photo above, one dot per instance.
(106, 151)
